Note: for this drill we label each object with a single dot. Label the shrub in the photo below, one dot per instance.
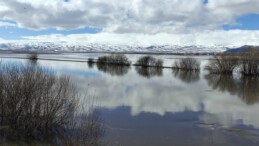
(159, 63)
(33, 56)
(188, 64)
(250, 63)
(223, 64)
(117, 59)
(149, 61)
(90, 62)
(33, 100)
(35, 104)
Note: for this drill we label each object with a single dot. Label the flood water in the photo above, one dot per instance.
(147, 107)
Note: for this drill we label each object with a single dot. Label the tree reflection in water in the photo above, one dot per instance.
(113, 69)
(246, 87)
(249, 89)
(90, 64)
(223, 83)
(149, 72)
(187, 76)
(36, 105)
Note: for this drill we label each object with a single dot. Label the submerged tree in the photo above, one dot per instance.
(223, 64)
(187, 64)
(149, 61)
(116, 59)
(32, 58)
(90, 62)
(250, 62)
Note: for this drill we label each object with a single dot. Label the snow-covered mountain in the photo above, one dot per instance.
(90, 47)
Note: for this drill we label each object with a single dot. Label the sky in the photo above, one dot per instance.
(179, 22)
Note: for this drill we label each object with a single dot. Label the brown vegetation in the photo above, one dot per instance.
(223, 64)
(32, 56)
(149, 61)
(90, 62)
(249, 61)
(116, 59)
(187, 64)
(36, 104)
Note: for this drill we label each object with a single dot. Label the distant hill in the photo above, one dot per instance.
(241, 49)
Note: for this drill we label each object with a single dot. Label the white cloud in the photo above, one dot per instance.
(208, 38)
(147, 16)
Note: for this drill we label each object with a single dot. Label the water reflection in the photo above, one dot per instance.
(249, 89)
(223, 83)
(149, 72)
(166, 111)
(187, 76)
(246, 87)
(113, 69)
(32, 61)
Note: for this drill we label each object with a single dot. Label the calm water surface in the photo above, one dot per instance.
(147, 107)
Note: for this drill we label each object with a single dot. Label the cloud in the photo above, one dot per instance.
(4, 24)
(208, 38)
(145, 16)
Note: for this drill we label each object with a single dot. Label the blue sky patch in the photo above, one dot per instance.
(247, 22)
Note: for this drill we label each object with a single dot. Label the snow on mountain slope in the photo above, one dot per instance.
(90, 47)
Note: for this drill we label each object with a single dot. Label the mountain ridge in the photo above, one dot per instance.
(92, 47)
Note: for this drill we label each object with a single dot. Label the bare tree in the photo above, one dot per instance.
(116, 59)
(188, 64)
(223, 64)
(149, 61)
(37, 104)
